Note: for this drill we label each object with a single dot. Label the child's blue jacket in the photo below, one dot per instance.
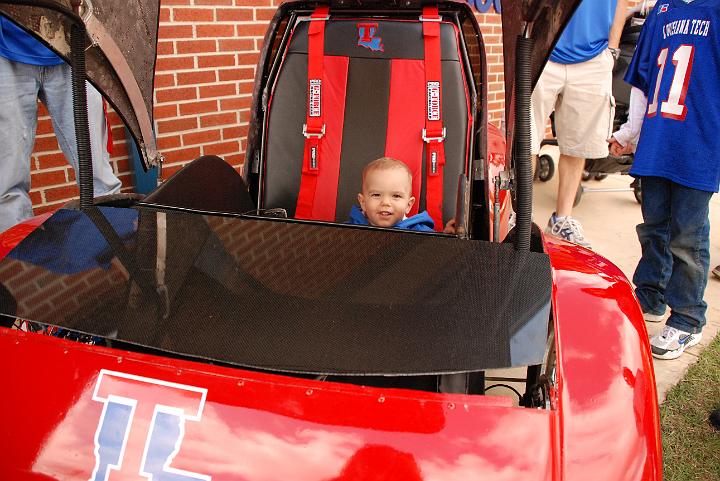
(422, 221)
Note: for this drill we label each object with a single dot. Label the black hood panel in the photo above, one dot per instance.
(283, 295)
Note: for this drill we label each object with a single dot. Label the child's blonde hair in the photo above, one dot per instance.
(386, 163)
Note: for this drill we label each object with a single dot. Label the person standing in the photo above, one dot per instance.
(675, 75)
(28, 71)
(577, 84)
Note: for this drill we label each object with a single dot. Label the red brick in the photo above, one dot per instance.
(164, 80)
(174, 63)
(251, 30)
(246, 88)
(61, 193)
(215, 30)
(220, 148)
(175, 31)
(236, 44)
(218, 119)
(234, 14)
(250, 58)
(193, 15)
(219, 90)
(165, 111)
(216, 61)
(236, 74)
(196, 46)
(51, 160)
(214, 2)
(234, 132)
(198, 107)
(41, 209)
(164, 14)
(165, 48)
(235, 160)
(177, 125)
(202, 137)
(237, 103)
(168, 142)
(197, 77)
(176, 2)
(182, 155)
(53, 177)
(44, 127)
(174, 95)
(35, 197)
(44, 144)
(265, 14)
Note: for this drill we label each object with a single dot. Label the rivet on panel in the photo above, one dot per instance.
(381, 399)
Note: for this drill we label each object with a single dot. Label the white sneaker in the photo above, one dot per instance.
(653, 317)
(567, 228)
(671, 342)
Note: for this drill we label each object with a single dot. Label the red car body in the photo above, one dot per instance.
(62, 397)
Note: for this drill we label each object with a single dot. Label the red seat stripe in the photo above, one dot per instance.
(405, 119)
(334, 90)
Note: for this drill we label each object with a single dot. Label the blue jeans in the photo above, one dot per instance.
(20, 87)
(675, 241)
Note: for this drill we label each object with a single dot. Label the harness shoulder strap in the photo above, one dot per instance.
(314, 128)
(434, 132)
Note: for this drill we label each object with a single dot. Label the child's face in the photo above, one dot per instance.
(385, 198)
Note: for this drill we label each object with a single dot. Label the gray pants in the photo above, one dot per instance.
(20, 87)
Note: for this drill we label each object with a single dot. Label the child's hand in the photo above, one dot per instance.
(450, 227)
(617, 149)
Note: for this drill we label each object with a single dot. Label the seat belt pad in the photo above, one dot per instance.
(314, 128)
(434, 133)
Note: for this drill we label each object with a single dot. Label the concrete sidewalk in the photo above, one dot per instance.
(609, 221)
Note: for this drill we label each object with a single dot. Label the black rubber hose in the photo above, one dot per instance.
(521, 147)
(80, 113)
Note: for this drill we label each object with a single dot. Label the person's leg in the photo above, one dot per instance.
(653, 271)
(583, 119)
(105, 180)
(689, 244)
(570, 171)
(56, 94)
(542, 104)
(18, 121)
(690, 248)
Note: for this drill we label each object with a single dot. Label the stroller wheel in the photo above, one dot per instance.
(578, 195)
(586, 176)
(600, 176)
(545, 168)
(637, 190)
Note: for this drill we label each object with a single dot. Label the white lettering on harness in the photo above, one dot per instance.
(433, 100)
(314, 100)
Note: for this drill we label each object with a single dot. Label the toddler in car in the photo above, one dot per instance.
(386, 199)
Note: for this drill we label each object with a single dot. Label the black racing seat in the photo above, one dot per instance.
(374, 101)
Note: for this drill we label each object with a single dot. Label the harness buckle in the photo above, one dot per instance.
(427, 139)
(317, 135)
(437, 19)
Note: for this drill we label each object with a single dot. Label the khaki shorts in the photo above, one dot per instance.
(581, 96)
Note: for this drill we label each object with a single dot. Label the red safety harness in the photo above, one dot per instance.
(314, 128)
(434, 132)
(318, 112)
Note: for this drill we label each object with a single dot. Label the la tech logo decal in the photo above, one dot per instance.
(367, 37)
(142, 426)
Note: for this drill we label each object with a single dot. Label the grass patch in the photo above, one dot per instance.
(691, 447)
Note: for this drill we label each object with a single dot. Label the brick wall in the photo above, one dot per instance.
(207, 51)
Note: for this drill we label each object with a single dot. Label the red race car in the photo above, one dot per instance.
(235, 327)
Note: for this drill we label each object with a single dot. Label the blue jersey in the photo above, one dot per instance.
(586, 34)
(677, 66)
(19, 46)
